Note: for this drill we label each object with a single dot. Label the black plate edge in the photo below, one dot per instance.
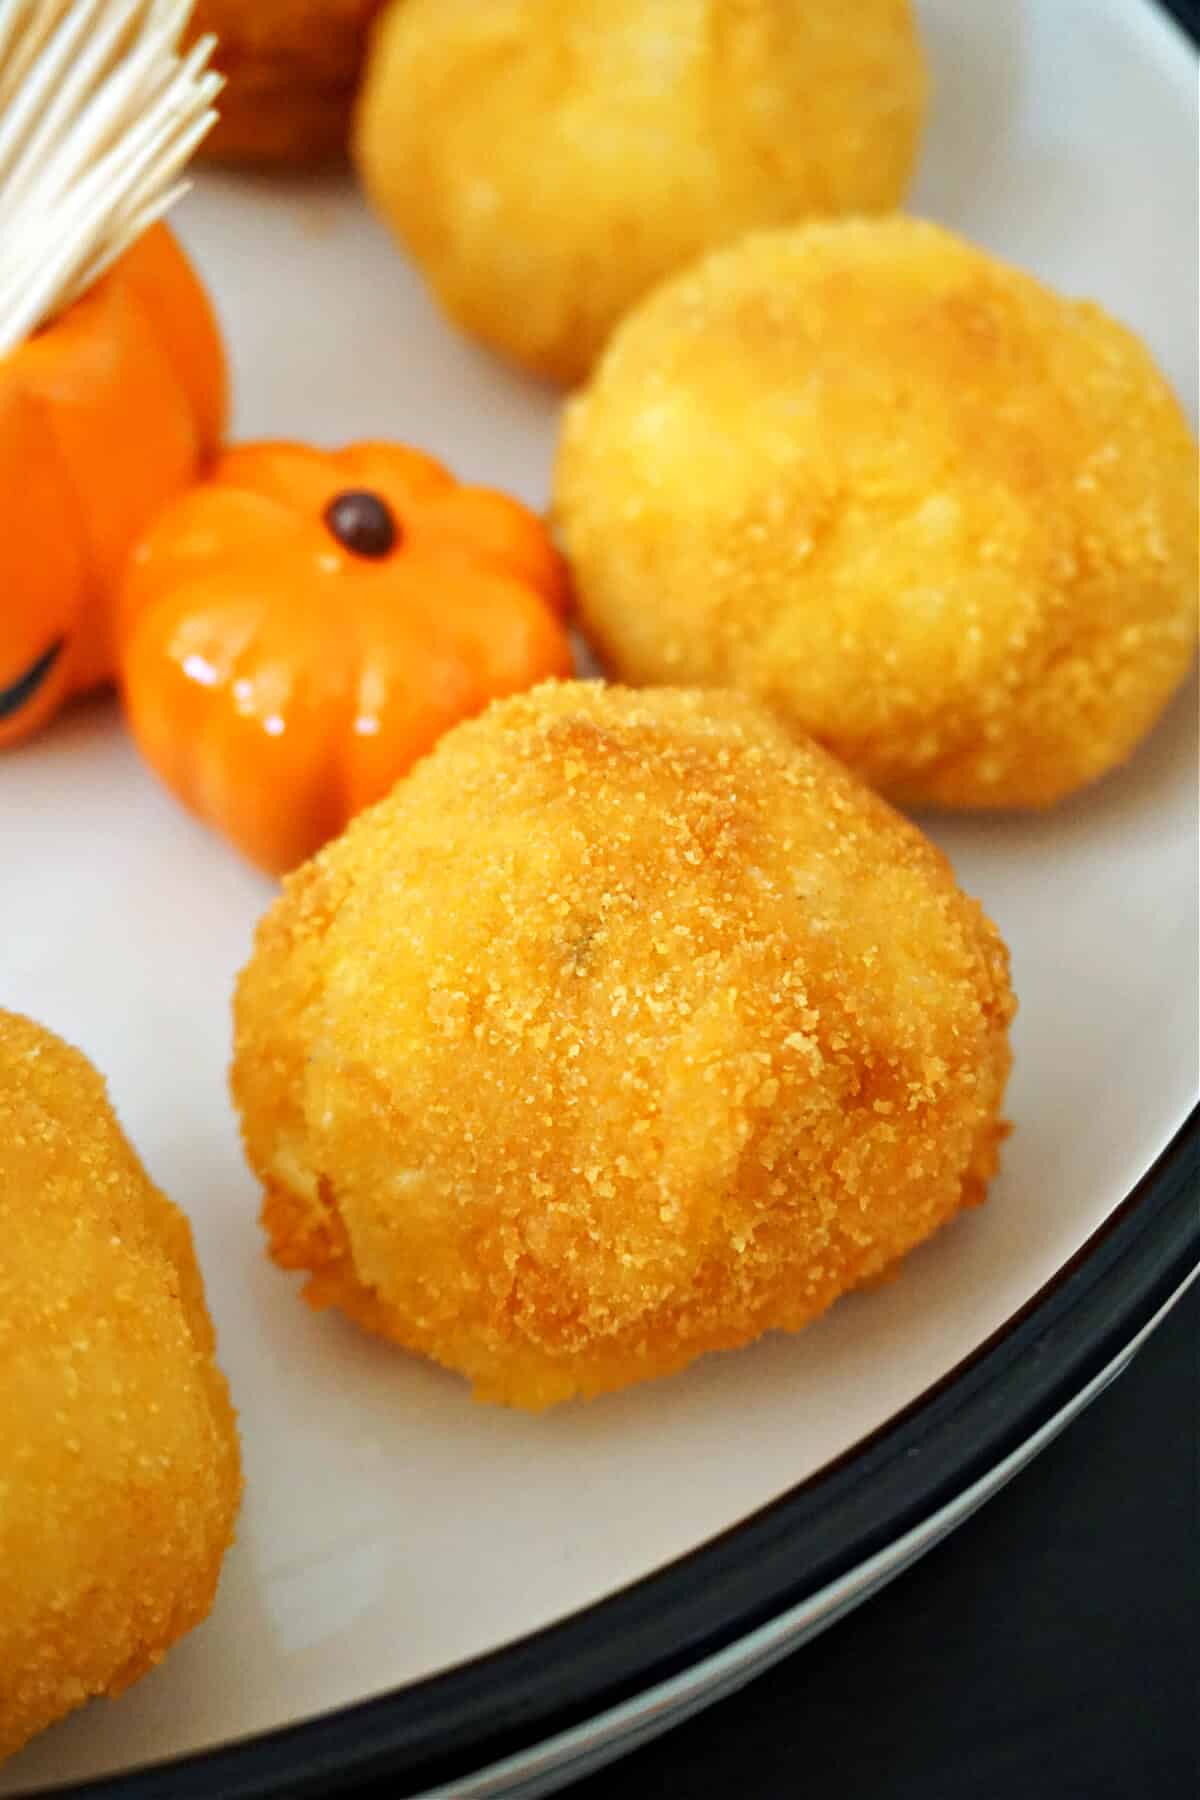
(1186, 13)
(453, 1724)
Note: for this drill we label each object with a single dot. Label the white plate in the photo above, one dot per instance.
(391, 1528)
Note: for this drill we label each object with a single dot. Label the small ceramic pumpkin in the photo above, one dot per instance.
(104, 415)
(302, 627)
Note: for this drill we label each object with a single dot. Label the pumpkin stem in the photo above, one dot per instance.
(363, 523)
(99, 113)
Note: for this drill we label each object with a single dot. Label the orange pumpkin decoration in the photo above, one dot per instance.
(104, 415)
(302, 627)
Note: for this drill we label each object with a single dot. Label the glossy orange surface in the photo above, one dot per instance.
(104, 416)
(279, 681)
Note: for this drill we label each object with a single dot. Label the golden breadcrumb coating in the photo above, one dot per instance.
(934, 515)
(292, 69)
(119, 1467)
(547, 161)
(626, 1028)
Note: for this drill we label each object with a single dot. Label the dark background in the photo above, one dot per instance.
(1048, 1650)
(1187, 12)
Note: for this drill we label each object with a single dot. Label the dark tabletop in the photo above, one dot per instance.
(1048, 1648)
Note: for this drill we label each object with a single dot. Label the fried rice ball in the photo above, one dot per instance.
(625, 1029)
(119, 1465)
(931, 513)
(292, 70)
(547, 161)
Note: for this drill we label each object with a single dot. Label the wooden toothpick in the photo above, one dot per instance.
(99, 114)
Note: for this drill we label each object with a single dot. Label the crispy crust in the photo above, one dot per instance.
(624, 1030)
(930, 512)
(119, 1465)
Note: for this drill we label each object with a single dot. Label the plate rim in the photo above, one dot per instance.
(491, 1707)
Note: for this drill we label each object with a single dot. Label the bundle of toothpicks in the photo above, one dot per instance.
(99, 114)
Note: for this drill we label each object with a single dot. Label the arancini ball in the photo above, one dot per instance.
(933, 514)
(292, 69)
(625, 1029)
(120, 1474)
(547, 161)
